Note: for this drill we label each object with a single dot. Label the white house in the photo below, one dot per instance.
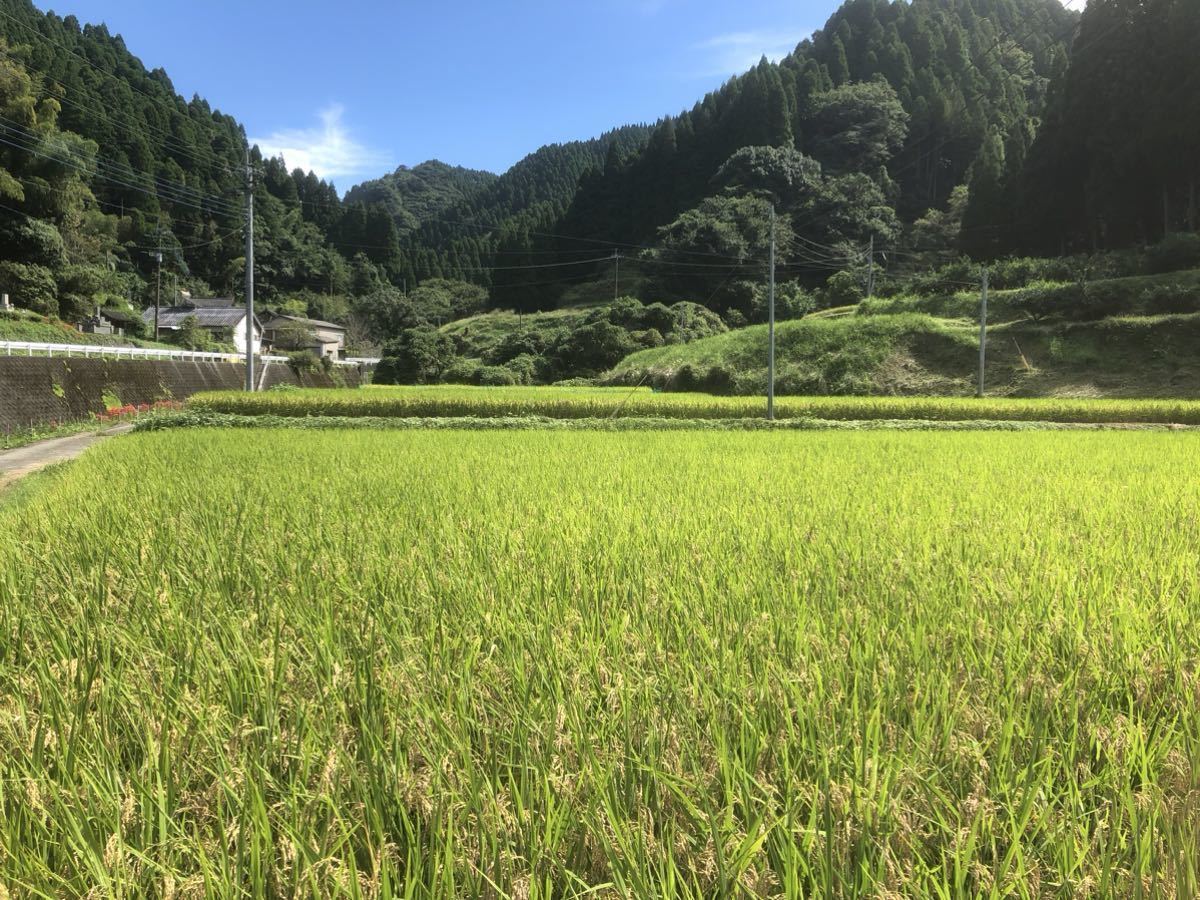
(225, 323)
(325, 339)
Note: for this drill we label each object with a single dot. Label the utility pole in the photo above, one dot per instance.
(158, 282)
(249, 274)
(771, 328)
(982, 332)
(871, 269)
(616, 274)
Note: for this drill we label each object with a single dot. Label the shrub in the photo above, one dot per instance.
(418, 356)
(735, 318)
(303, 361)
(525, 367)
(461, 371)
(843, 289)
(31, 286)
(191, 336)
(529, 342)
(576, 382)
(1174, 252)
(649, 338)
(718, 380)
(594, 348)
(495, 376)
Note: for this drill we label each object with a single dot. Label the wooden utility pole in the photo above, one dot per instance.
(158, 282)
(249, 274)
(871, 269)
(983, 299)
(771, 327)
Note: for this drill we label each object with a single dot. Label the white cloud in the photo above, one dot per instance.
(328, 149)
(738, 51)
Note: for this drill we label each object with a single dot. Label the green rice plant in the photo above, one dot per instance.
(556, 664)
(600, 403)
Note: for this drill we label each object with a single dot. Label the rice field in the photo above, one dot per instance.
(601, 403)
(556, 664)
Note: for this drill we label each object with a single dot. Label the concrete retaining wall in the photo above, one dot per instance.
(38, 390)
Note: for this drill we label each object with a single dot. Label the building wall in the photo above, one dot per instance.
(38, 390)
(239, 337)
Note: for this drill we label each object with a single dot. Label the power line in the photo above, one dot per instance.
(30, 142)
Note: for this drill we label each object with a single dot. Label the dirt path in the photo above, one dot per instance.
(24, 461)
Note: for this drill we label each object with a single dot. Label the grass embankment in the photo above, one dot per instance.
(605, 403)
(910, 353)
(478, 336)
(27, 327)
(1176, 293)
(540, 664)
(208, 419)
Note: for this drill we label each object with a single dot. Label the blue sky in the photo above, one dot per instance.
(355, 88)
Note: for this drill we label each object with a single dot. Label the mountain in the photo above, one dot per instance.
(415, 195)
(532, 195)
(905, 96)
(964, 73)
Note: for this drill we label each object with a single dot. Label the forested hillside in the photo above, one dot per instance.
(415, 195)
(507, 213)
(882, 115)
(1118, 160)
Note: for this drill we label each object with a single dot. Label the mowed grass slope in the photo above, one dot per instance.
(916, 354)
(541, 664)
(611, 403)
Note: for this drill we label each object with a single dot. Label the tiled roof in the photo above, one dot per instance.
(174, 316)
(302, 321)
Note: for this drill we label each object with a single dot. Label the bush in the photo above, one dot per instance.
(418, 356)
(525, 367)
(192, 337)
(1173, 253)
(461, 371)
(695, 322)
(530, 342)
(657, 317)
(718, 380)
(30, 286)
(594, 348)
(649, 338)
(495, 376)
(303, 361)
(735, 318)
(791, 302)
(843, 289)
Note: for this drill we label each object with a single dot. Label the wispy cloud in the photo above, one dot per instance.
(327, 149)
(734, 53)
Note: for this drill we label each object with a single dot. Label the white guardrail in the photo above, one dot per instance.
(34, 348)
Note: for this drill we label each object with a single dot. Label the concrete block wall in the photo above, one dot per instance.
(39, 390)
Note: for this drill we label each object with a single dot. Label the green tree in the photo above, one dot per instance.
(857, 127)
(418, 356)
(192, 336)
